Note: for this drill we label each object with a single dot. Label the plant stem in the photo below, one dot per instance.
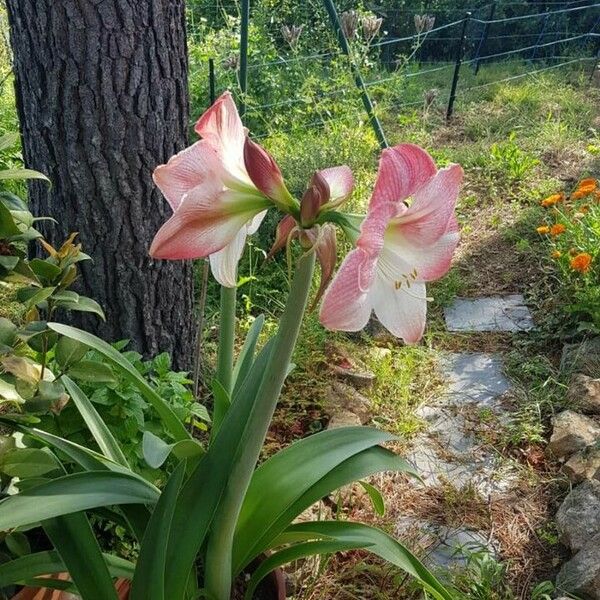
(218, 574)
(226, 337)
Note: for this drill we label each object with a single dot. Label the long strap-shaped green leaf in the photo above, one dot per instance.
(201, 493)
(165, 412)
(219, 568)
(101, 433)
(149, 577)
(380, 543)
(244, 360)
(38, 564)
(86, 458)
(276, 498)
(74, 493)
(74, 539)
(295, 552)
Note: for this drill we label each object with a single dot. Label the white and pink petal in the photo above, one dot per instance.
(403, 169)
(346, 305)
(186, 170)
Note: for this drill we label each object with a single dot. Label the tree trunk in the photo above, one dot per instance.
(102, 99)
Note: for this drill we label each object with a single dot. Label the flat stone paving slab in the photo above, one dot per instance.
(473, 377)
(497, 313)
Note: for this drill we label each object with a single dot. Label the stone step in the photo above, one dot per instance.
(496, 313)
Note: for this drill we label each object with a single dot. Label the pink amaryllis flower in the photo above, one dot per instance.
(402, 244)
(216, 202)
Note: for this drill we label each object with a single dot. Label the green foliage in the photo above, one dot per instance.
(571, 227)
(508, 160)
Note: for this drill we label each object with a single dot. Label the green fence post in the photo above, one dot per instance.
(360, 84)
(459, 56)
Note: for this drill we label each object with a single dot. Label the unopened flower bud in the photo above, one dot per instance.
(315, 196)
(284, 233)
(265, 174)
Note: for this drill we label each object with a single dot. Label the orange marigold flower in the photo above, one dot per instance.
(556, 254)
(557, 229)
(579, 193)
(543, 229)
(552, 200)
(581, 262)
(588, 182)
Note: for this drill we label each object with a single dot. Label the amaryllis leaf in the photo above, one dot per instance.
(74, 493)
(98, 428)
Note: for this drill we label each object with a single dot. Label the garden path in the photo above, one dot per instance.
(452, 449)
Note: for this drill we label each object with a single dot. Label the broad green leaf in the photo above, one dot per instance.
(8, 331)
(246, 356)
(38, 297)
(296, 477)
(200, 411)
(149, 577)
(9, 262)
(41, 563)
(74, 539)
(83, 304)
(74, 493)
(166, 413)
(100, 432)
(375, 496)
(22, 174)
(156, 451)
(50, 390)
(44, 269)
(8, 227)
(8, 140)
(380, 543)
(28, 462)
(69, 351)
(13, 202)
(92, 371)
(17, 543)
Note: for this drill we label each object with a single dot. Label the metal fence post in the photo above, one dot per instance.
(360, 84)
(243, 72)
(539, 38)
(459, 57)
(484, 37)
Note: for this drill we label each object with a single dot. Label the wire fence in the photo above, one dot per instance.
(289, 86)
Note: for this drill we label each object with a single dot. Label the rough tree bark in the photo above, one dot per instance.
(102, 99)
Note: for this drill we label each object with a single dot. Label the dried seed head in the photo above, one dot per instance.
(231, 63)
(371, 26)
(349, 23)
(291, 34)
(424, 23)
